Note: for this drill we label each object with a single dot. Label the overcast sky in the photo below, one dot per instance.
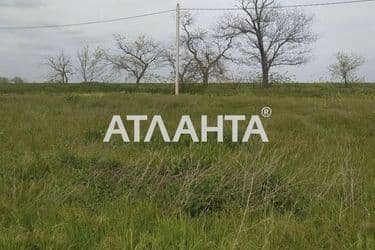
(346, 28)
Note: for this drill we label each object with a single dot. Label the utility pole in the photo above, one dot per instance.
(178, 16)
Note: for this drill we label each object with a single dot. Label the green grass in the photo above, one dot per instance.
(311, 187)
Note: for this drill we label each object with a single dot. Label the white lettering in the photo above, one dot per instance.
(137, 125)
(116, 120)
(219, 129)
(235, 119)
(181, 130)
(186, 127)
(157, 121)
(255, 128)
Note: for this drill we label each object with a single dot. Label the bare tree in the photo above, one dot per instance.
(60, 68)
(208, 51)
(346, 67)
(137, 57)
(271, 36)
(91, 65)
(188, 69)
(17, 80)
(4, 79)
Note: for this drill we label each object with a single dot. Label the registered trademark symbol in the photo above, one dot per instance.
(266, 112)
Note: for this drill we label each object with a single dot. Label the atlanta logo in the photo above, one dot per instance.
(186, 127)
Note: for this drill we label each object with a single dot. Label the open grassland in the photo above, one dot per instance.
(311, 187)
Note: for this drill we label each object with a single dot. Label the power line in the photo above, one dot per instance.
(84, 23)
(283, 6)
(173, 10)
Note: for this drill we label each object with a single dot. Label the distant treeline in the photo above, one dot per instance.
(12, 80)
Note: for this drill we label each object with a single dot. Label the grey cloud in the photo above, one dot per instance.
(22, 3)
(347, 28)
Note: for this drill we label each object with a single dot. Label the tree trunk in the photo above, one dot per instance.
(65, 79)
(265, 76)
(205, 78)
(138, 81)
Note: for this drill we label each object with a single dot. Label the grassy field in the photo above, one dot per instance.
(311, 187)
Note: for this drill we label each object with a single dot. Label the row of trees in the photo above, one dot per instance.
(91, 66)
(16, 80)
(263, 35)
